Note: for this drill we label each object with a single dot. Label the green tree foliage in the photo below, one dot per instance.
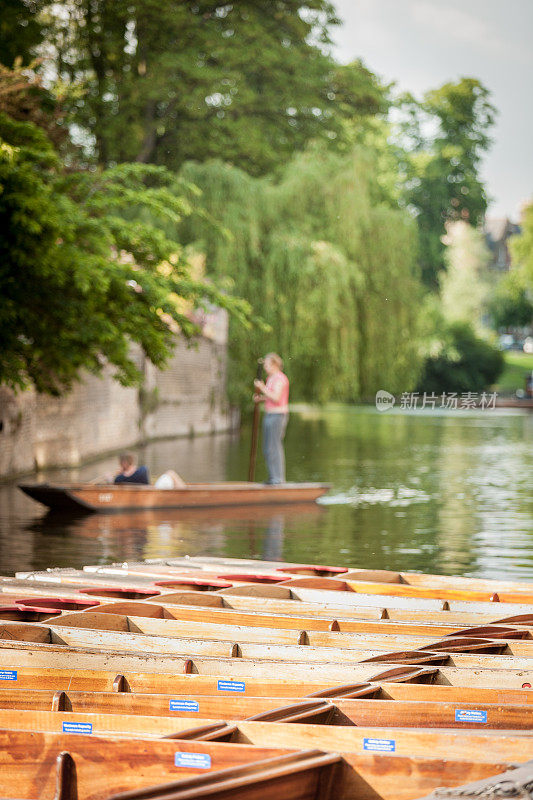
(464, 285)
(83, 274)
(247, 82)
(325, 262)
(21, 30)
(27, 100)
(522, 250)
(442, 170)
(464, 362)
(511, 306)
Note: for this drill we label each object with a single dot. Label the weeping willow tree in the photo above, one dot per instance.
(325, 261)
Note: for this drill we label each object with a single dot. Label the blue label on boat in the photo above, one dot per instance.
(8, 674)
(184, 705)
(381, 745)
(77, 727)
(231, 686)
(470, 715)
(192, 760)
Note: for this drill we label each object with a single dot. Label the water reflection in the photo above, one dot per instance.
(64, 540)
(434, 492)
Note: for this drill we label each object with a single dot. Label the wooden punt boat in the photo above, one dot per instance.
(332, 598)
(164, 580)
(398, 683)
(346, 592)
(186, 650)
(482, 745)
(363, 711)
(220, 565)
(15, 654)
(430, 586)
(221, 616)
(400, 590)
(305, 779)
(29, 769)
(90, 497)
(509, 641)
(321, 615)
(117, 638)
(340, 598)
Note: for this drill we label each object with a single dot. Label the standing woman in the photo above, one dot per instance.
(275, 395)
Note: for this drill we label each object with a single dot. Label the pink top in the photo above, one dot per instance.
(273, 384)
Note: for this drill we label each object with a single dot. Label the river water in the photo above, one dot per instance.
(443, 492)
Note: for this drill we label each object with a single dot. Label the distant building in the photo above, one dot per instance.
(498, 231)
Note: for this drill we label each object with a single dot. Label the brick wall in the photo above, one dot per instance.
(100, 415)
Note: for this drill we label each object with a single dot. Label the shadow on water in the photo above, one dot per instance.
(432, 492)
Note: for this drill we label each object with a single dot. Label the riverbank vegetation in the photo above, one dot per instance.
(227, 133)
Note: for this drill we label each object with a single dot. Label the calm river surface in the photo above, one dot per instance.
(446, 492)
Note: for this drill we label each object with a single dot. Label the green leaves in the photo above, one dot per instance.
(246, 82)
(87, 268)
(327, 264)
(442, 181)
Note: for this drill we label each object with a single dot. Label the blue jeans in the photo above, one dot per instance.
(274, 426)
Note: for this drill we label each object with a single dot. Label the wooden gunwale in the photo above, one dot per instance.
(416, 592)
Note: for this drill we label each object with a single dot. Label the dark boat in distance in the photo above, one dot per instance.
(91, 497)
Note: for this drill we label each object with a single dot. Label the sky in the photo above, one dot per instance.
(421, 44)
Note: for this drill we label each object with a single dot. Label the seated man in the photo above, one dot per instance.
(130, 472)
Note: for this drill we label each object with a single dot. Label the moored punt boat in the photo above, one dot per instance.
(496, 639)
(294, 599)
(317, 616)
(481, 745)
(362, 581)
(117, 639)
(400, 590)
(16, 654)
(355, 581)
(402, 682)
(28, 766)
(214, 566)
(363, 711)
(221, 615)
(90, 497)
